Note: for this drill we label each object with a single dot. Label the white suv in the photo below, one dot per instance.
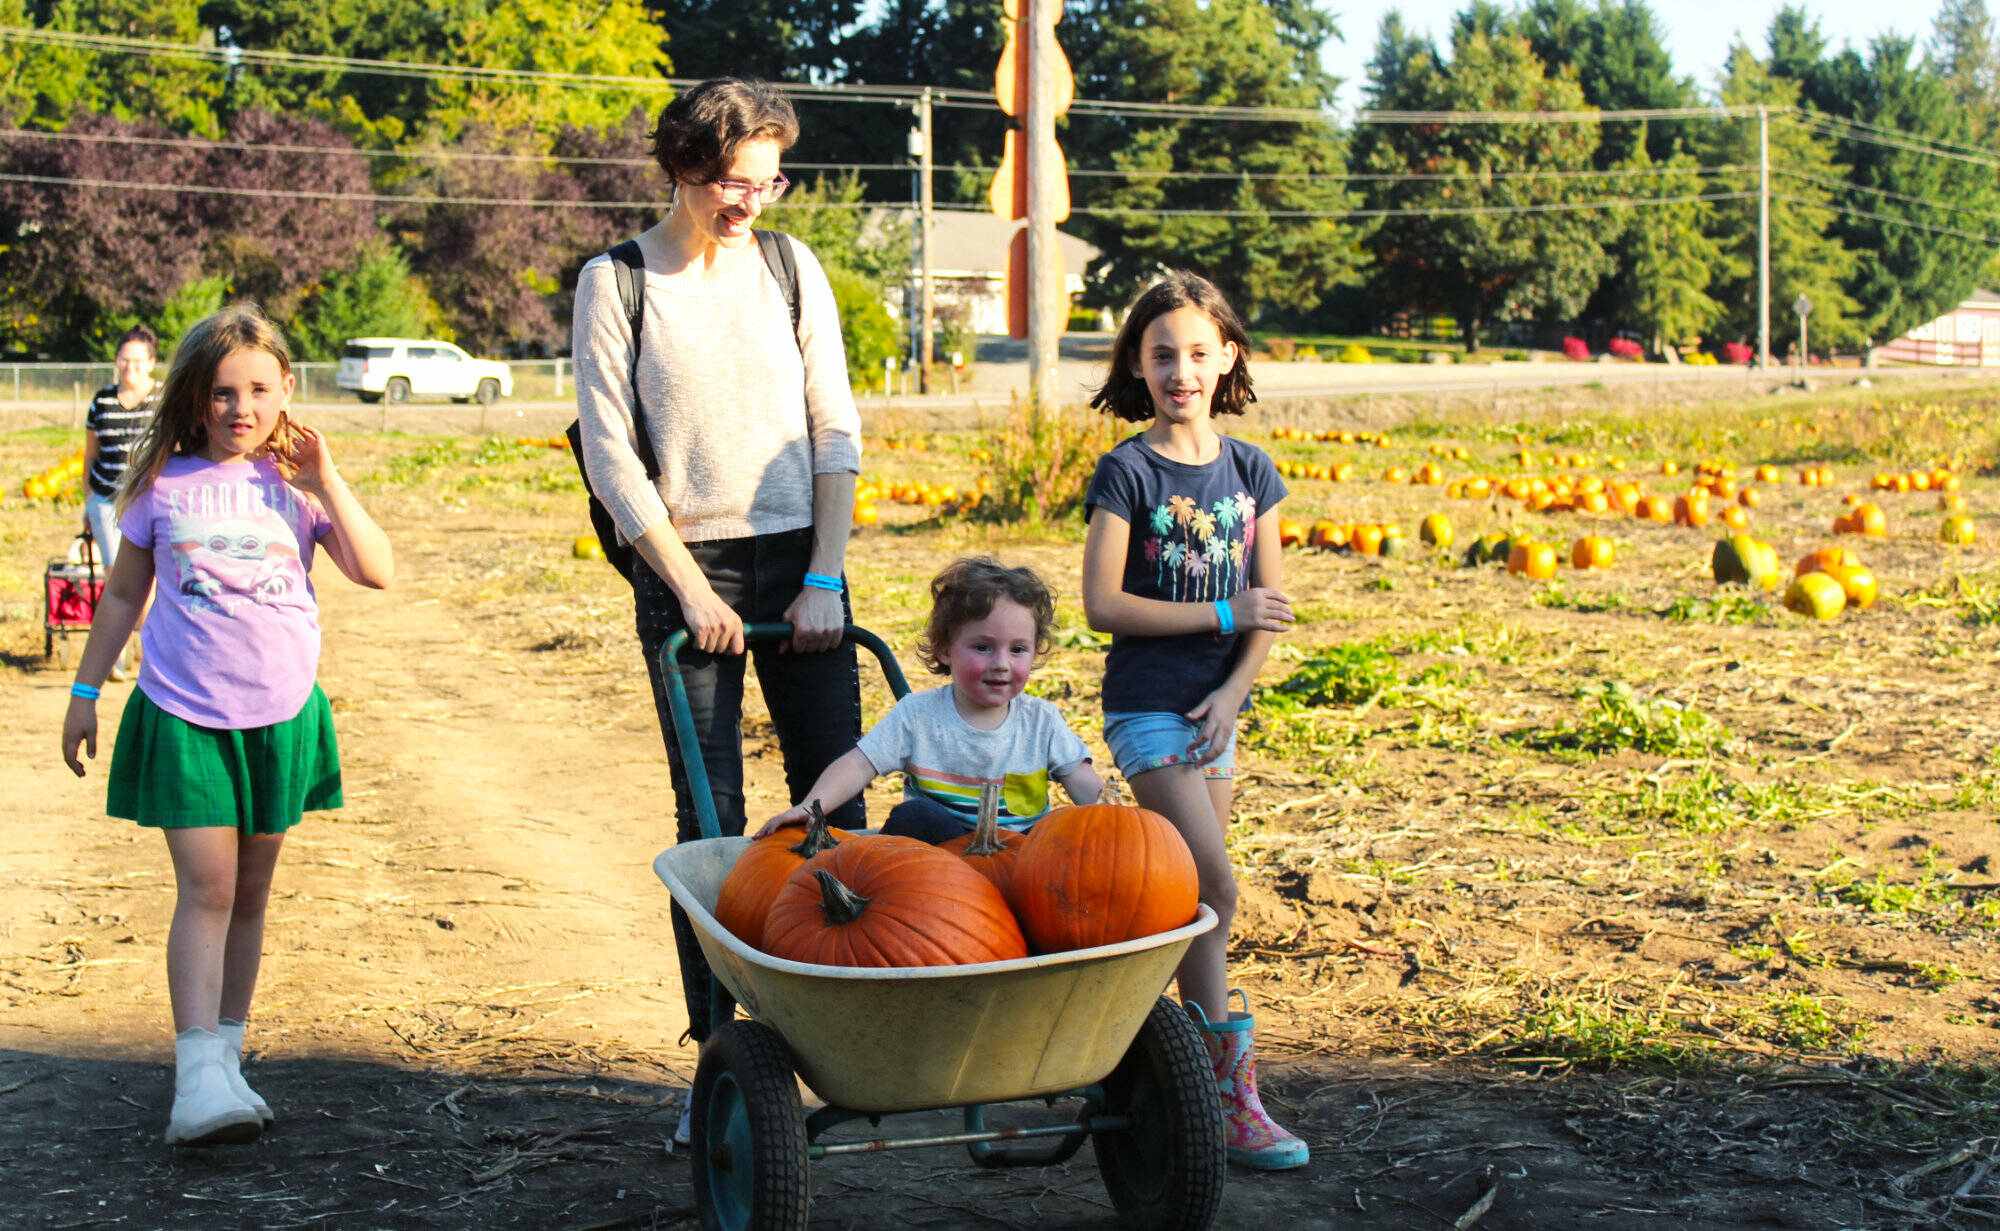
(400, 368)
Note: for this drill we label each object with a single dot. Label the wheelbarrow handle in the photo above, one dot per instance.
(683, 714)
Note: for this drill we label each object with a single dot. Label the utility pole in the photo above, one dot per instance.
(921, 345)
(1763, 237)
(1048, 303)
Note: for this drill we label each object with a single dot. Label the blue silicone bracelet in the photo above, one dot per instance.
(85, 691)
(1225, 617)
(820, 581)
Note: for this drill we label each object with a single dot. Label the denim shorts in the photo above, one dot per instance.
(1143, 741)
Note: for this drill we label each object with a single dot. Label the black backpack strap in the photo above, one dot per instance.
(630, 266)
(784, 267)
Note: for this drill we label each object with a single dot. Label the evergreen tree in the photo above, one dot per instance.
(1530, 259)
(1916, 221)
(1806, 256)
(777, 40)
(1965, 52)
(1667, 260)
(1241, 201)
(1616, 53)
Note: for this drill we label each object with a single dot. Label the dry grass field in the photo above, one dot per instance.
(1616, 900)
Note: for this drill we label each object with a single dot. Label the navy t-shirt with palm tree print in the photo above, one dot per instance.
(1192, 528)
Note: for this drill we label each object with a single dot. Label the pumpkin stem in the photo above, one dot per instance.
(842, 904)
(986, 833)
(819, 837)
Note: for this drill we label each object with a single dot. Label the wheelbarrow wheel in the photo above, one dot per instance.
(749, 1133)
(1165, 1171)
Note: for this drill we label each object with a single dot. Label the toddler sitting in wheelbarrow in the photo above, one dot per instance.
(989, 624)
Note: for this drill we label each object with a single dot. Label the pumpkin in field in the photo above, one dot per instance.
(1816, 595)
(1531, 559)
(1097, 874)
(1367, 539)
(1591, 551)
(1956, 530)
(587, 547)
(1291, 533)
(989, 850)
(1691, 508)
(1856, 582)
(1436, 530)
(890, 901)
(744, 901)
(1813, 562)
(1749, 497)
(1742, 559)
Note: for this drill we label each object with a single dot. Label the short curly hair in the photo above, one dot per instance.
(1124, 394)
(968, 589)
(698, 132)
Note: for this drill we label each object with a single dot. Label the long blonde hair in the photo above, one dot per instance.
(180, 425)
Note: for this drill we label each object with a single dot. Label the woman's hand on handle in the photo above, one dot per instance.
(1261, 608)
(79, 731)
(817, 619)
(713, 625)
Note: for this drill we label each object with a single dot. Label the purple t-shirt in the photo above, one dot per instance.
(233, 637)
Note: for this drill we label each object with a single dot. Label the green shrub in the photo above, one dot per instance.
(865, 325)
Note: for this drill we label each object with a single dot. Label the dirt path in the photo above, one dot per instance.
(469, 1014)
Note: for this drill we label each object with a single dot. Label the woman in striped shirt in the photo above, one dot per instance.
(117, 417)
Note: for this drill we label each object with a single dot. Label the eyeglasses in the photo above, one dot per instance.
(732, 191)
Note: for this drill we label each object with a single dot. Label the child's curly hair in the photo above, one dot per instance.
(968, 589)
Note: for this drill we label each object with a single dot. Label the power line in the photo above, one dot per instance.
(1442, 211)
(306, 194)
(1855, 212)
(1914, 143)
(1906, 198)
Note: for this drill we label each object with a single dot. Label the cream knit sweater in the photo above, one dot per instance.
(741, 416)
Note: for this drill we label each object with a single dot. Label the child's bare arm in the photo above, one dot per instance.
(1111, 610)
(357, 545)
(1216, 714)
(838, 783)
(1083, 784)
(111, 624)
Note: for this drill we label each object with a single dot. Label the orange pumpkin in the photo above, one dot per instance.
(1591, 551)
(1367, 539)
(990, 850)
(1749, 497)
(1531, 559)
(1736, 517)
(1097, 874)
(744, 901)
(1290, 533)
(1816, 561)
(891, 901)
(1691, 509)
(1856, 582)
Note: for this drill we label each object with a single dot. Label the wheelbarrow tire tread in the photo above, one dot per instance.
(1166, 1172)
(748, 1064)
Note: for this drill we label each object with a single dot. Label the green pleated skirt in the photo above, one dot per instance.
(169, 773)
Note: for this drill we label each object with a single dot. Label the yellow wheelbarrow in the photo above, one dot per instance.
(1090, 1024)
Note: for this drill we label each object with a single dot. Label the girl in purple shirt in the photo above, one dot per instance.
(227, 740)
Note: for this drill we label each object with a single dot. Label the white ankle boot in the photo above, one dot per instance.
(232, 1064)
(206, 1112)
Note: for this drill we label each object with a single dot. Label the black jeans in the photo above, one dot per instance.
(814, 700)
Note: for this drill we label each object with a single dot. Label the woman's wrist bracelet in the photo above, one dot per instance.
(1225, 618)
(85, 691)
(820, 581)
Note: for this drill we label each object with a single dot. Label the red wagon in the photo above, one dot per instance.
(70, 590)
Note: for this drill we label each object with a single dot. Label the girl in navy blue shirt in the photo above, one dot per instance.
(1181, 568)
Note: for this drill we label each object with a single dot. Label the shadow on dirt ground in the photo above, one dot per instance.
(362, 1144)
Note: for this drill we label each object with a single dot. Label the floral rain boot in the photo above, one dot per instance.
(1255, 1140)
(232, 1067)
